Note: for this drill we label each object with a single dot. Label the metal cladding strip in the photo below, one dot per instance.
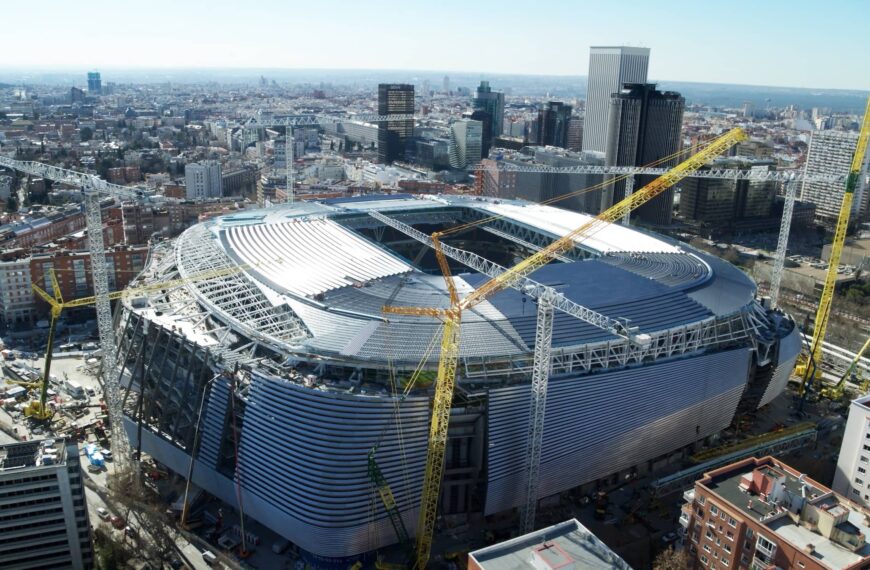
(789, 349)
(598, 424)
(305, 452)
(213, 422)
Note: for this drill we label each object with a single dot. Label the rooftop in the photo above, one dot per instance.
(793, 506)
(32, 454)
(564, 545)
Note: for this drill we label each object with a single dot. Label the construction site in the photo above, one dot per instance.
(364, 376)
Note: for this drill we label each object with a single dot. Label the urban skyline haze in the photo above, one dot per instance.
(776, 43)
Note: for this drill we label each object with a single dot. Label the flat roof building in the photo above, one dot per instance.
(851, 479)
(562, 546)
(43, 513)
(761, 513)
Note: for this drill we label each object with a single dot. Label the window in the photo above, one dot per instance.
(864, 459)
(702, 499)
(714, 510)
(866, 447)
(704, 560)
(862, 470)
(722, 516)
(727, 548)
(801, 564)
(729, 535)
(709, 534)
(856, 492)
(859, 480)
(732, 522)
(707, 548)
(766, 546)
(724, 561)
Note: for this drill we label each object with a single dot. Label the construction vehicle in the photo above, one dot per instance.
(836, 391)
(452, 318)
(809, 368)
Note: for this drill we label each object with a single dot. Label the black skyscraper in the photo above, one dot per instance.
(553, 122)
(644, 126)
(393, 136)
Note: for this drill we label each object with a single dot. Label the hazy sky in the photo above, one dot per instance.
(799, 43)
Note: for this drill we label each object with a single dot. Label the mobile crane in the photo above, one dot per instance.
(809, 369)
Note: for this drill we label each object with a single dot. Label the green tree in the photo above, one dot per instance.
(86, 134)
(12, 204)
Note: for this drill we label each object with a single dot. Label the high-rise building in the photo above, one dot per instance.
(609, 69)
(486, 128)
(830, 152)
(95, 85)
(720, 204)
(466, 138)
(492, 102)
(553, 124)
(446, 84)
(644, 126)
(203, 180)
(44, 519)
(762, 513)
(851, 478)
(394, 99)
(575, 134)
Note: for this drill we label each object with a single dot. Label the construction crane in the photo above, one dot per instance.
(810, 368)
(452, 317)
(386, 494)
(836, 391)
(93, 189)
(37, 409)
(317, 120)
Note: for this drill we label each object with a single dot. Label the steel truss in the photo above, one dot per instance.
(233, 297)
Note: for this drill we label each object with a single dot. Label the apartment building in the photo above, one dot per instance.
(43, 512)
(851, 479)
(760, 514)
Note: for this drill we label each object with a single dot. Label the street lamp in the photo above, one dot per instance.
(205, 390)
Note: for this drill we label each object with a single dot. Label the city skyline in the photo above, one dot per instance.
(773, 44)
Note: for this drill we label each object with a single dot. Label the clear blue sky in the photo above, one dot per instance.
(799, 43)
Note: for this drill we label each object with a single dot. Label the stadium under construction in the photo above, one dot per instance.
(291, 298)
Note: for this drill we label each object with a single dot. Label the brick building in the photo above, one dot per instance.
(760, 514)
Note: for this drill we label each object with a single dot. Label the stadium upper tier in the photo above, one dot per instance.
(313, 278)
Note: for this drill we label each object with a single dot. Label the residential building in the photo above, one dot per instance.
(851, 479)
(465, 147)
(644, 127)
(830, 152)
(553, 124)
(760, 513)
(609, 69)
(394, 99)
(564, 545)
(241, 182)
(203, 180)
(16, 297)
(716, 204)
(492, 102)
(95, 84)
(44, 519)
(486, 128)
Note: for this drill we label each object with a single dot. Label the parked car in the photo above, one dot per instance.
(117, 522)
(102, 513)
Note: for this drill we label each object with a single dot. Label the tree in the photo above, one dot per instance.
(86, 134)
(672, 559)
(12, 204)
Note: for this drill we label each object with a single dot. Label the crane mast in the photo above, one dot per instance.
(823, 313)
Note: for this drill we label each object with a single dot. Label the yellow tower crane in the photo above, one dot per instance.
(37, 409)
(810, 368)
(452, 317)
